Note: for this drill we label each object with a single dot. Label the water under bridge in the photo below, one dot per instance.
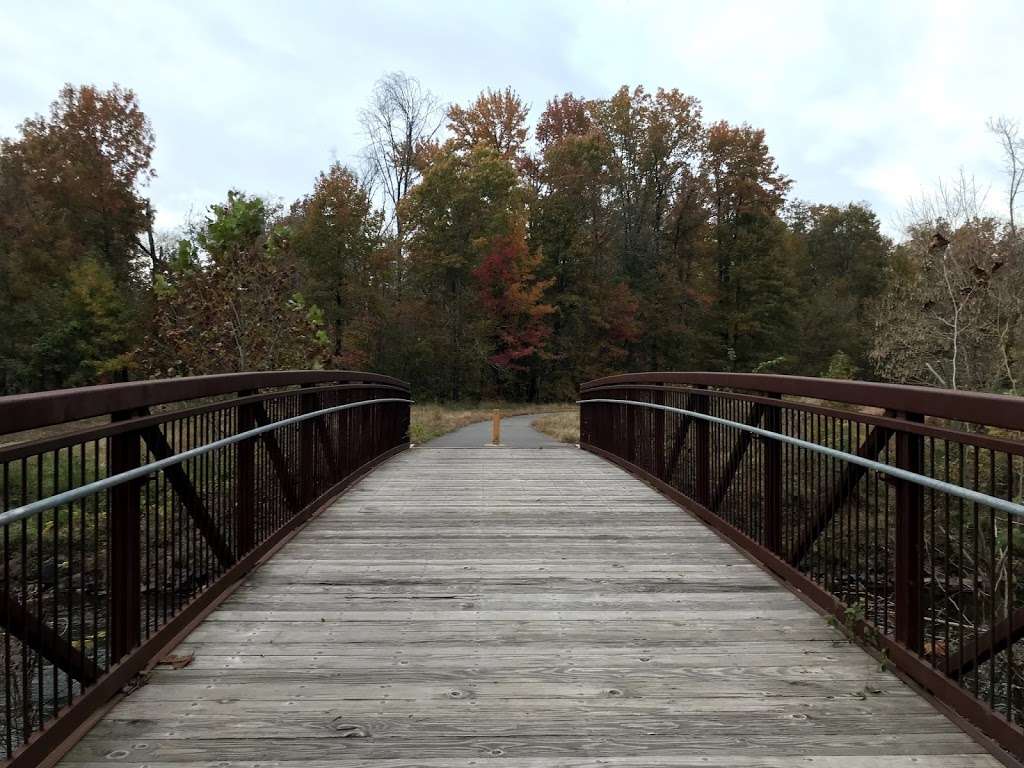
(736, 570)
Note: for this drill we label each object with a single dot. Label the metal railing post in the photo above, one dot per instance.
(909, 628)
(773, 480)
(245, 480)
(658, 398)
(630, 435)
(702, 447)
(125, 553)
(307, 447)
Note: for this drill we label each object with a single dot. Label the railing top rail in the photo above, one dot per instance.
(974, 407)
(887, 470)
(43, 409)
(67, 497)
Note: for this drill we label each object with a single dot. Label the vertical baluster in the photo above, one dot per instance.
(245, 480)
(125, 552)
(702, 446)
(658, 398)
(909, 539)
(773, 480)
(307, 447)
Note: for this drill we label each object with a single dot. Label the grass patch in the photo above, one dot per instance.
(563, 426)
(430, 420)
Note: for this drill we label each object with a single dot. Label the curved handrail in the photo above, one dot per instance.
(82, 491)
(974, 407)
(912, 477)
(905, 526)
(151, 515)
(43, 409)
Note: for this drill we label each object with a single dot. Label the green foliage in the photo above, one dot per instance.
(842, 265)
(70, 210)
(637, 236)
(840, 366)
(227, 301)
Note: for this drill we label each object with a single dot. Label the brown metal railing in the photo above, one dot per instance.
(95, 588)
(934, 582)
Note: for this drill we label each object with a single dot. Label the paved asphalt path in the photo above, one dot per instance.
(516, 432)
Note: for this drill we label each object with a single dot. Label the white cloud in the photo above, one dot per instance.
(866, 101)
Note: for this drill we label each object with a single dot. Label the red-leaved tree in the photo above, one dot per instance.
(513, 299)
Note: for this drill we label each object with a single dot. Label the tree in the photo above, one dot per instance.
(573, 227)
(497, 119)
(513, 300)
(336, 236)
(464, 205)
(954, 312)
(399, 124)
(69, 200)
(753, 315)
(841, 268)
(229, 300)
(1007, 132)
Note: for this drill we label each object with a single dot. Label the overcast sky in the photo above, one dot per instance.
(860, 100)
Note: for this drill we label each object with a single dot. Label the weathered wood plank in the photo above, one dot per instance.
(527, 609)
(613, 761)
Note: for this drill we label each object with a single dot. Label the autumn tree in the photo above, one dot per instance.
(630, 234)
(336, 236)
(465, 204)
(70, 214)
(953, 315)
(841, 268)
(953, 311)
(573, 227)
(755, 284)
(497, 119)
(229, 301)
(517, 316)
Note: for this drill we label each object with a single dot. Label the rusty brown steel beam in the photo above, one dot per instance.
(679, 440)
(45, 640)
(324, 438)
(973, 407)
(986, 645)
(176, 475)
(739, 450)
(41, 409)
(874, 442)
(34, 447)
(277, 460)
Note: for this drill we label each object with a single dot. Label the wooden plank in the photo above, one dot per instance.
(155, 752)
(531, 608)
(678, 760)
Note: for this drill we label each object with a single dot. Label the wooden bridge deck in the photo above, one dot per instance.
(518, 609)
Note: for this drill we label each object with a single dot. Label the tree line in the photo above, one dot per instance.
(479, 254)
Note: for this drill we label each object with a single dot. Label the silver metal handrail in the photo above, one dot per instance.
(41, 505)
(977, 497)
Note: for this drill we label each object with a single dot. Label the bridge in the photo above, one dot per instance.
(735, 570)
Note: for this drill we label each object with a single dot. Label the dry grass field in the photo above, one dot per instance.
(430, 420)
(564, 426)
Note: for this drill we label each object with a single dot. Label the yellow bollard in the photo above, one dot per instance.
(496, 428)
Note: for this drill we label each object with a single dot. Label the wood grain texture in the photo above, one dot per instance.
(518, 609)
